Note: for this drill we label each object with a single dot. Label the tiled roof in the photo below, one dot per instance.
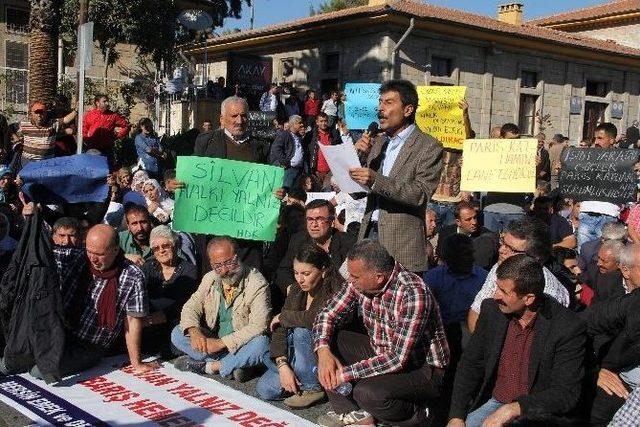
(613, 8)
(436, 14)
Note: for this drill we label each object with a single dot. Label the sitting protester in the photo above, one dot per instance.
(134, 194)
(295, 370)
(171, 281)
(526, 356)
(397, 366)
(134, 241)
(159, 204)
(223, 325)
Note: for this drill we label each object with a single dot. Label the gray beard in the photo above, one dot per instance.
(235, 278)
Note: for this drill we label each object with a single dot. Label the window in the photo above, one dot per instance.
(440, 67)
(17, 19)
(17, 62)
(527, 120)
(529, 79)
(597, 88)
(17, 55)
(287, 67)
(332, 62)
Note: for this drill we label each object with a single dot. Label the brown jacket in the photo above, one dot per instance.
(402, 197)
(251, 308)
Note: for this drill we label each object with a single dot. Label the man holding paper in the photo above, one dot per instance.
(402, 170)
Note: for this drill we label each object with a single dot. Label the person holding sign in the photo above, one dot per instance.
(222, 325)
(595, 214)
(402, 169)
(232, 142)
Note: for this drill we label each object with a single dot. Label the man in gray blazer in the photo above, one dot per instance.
(402, 169)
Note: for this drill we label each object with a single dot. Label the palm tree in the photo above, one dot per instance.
(44, 23)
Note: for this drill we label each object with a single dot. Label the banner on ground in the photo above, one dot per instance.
(227, 197)
(361, 107)
(600, 174)
(504, 165)
(439, 114)
(111, 395)
(69, 179)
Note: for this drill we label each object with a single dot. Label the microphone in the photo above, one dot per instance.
(373, 128)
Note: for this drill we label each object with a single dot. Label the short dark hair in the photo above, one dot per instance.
(323, 115)
(169, 174)
(535, 233)
(310, 253)
(509, 128)
(207, 121)
(66, 222)
(525, 272)
(321, 203)
(458, 254)
(407, 91)
(134, 208)
(374, 255)
(561, 254)
(98, 96)
(608, 128)
(462, 206)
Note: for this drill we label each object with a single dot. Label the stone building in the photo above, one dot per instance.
(542, 78)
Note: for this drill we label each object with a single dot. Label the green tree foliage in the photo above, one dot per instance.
(334, 5)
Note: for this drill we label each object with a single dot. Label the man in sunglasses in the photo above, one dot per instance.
(522, 236)
(222, 326)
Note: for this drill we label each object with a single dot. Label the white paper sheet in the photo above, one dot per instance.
(341, 158)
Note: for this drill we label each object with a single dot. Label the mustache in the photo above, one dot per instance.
(381, 116)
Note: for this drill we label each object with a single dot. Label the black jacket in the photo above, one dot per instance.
(485, 245)
(31, 311)
(214, 144)
(283, 149)
(311, 141)
(339, 246)
(556, 365)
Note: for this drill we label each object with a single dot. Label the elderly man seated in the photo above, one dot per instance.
(222, 326)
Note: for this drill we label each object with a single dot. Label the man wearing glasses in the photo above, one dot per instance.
(320, 215)
(522, 236)
(222, 326)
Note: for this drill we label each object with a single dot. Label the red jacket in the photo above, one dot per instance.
(98, 129)
(311, 107)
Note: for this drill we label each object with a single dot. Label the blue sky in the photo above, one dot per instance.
(275, 11)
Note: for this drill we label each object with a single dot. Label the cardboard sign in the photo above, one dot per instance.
(227, 197)
(504, 165)
(260, 124)
(361, 107)
(439, 114)
(69, 179)
(599, 174)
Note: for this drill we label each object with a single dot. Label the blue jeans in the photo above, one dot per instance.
(445, 214)
(303, 362)
(495, 221)
(251, 354)
(590, 227)
(477, 417)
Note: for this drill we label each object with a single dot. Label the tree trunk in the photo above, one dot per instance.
(43, 51)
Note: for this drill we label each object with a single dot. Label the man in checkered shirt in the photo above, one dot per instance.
(87, 298)
(398, 365)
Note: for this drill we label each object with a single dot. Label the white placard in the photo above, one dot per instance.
(341, 158)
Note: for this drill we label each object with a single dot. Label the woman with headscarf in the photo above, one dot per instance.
(159, 204)
(135, 194)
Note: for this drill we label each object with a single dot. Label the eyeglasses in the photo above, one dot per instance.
(162, 247)
(228, 263)
(319, 219)
(511, 248)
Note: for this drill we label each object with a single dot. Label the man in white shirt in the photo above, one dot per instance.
(522, 236)
(269, 99)
(596, 214)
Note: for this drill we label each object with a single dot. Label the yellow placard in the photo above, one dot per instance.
(439, 114)
(505, 165)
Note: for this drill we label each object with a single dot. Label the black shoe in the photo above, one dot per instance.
(187, 364)
(242, 375)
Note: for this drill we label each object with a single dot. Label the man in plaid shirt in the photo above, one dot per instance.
(85, 284)
(399, 364)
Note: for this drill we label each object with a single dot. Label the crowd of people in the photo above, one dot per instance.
(413, 304)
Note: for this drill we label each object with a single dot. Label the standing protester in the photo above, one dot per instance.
(322, 134)
(543, 163)
(555, 151)
(101, 127)
(148, 148)
(402, 170)
(311, 107)
(269, 99)
(595, 214)
(288, 151)
(40, 132)
(330, 108)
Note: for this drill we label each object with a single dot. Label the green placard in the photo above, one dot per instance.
(227, 197)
